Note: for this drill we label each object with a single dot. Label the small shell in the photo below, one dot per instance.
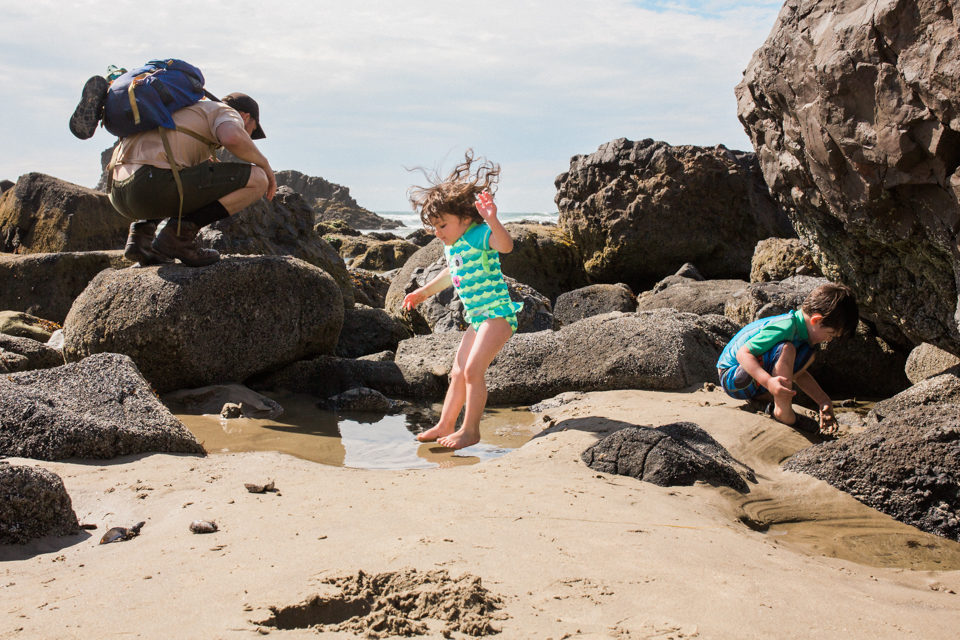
(203, 526)
(114, 535)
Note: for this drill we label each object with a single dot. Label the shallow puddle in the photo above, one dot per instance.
(360, 440)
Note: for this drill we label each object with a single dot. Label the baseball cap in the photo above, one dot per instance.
(243, 102)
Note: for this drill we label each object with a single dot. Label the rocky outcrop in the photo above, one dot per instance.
(26, 354)
(594, 300)
(333, 201)
(33, 504)
(369, 288)
(192, 327)
(420, 237)
(676, 454)
(404, 280)
(926, 361)
(852, 108)
(781, 258)
(692, 296)
(639, 210)
(46, 284)
(42, 214)
(445, 311)
(279, 227)
(6, 185)
(367, 330)
(98, 408)
(385, 256)
(212, 400)
(544, 257)
(906, 467)
(943, 390)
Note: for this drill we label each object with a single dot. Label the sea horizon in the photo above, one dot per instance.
(412, 221)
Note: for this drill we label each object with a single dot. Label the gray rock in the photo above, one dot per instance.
(98, 408)
(906, 467)
(46, 284)
(594, 300)
(926, 361)
(545, 258)
(24, 325)
(780, 258)
(420, 237)
(404, 282)
(385, 255)
(677, 454)
(370, 288)
(5, 185)
(33, 504)
(362, 400)
(42, 214)
(333, 201)
(188, 328)
(851, 107)
(637, 211)
(691, 296)
(366, 331)
(762, 300)
(335, 227)
(943, 389)
(26, 354)
(279, 227)
(211, 400)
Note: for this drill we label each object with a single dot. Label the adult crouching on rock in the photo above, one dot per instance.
(144, 187)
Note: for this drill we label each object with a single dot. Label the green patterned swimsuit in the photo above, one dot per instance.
(475, 271)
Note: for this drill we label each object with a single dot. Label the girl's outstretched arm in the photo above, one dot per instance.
(438, 284)
(500, 240)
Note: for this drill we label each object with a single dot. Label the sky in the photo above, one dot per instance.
(359, 92)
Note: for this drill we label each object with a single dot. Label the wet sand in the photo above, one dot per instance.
(571, 552)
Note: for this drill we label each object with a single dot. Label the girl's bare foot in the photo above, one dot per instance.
(460, 440)
(434, 434)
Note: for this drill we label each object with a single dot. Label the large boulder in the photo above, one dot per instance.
(279, 227)
(369, 288)
(544, 257)
(24, 325)
(43, 214)
(781, 258)
(366, 330)
(639, 210)
(404, 282)
(692, 296)
(98, 408)
(46, 284)
(192, 327)
(594, 300)
(863, 365)
(852, 108)
(676, 454)
(926, 361)
(445, 311)
(26, 354)
(333, 201)
(385, 256)
(33, 503)
(908, 467)
(943, 389)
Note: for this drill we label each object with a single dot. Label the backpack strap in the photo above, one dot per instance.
(176, 172)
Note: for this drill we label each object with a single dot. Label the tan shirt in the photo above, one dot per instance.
(147, 148)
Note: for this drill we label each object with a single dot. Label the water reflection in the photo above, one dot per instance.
(360, 440)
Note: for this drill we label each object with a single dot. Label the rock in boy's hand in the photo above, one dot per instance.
(485, 205)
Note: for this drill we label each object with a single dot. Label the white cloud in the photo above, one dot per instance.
(355, 91)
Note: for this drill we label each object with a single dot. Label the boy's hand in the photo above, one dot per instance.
(485, 206)
(828, 421)
(780, 386)
(413, 299)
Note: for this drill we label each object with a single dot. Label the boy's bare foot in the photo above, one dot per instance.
(787, 417)
(434, 433)
(459, 440)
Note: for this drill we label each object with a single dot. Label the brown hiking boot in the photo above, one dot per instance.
(183, 246)
(139, 248)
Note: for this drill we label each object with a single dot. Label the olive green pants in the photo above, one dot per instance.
(151, 193)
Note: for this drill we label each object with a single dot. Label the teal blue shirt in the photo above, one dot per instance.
(475, 271)
(762, 335)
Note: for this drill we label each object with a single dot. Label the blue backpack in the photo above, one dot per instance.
(145, 98)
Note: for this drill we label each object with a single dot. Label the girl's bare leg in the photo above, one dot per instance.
(456, 392)
(490, 339)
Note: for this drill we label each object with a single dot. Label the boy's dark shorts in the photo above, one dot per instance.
(739, 384)
(151, 193)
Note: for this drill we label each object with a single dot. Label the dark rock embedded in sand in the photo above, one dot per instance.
(677, 454)
(906, 467)
(98, 408)
(279, 227)
(852, 109)
(639, 210)
(33, 504)
(594, 300)
(366, 331)
(188, 328)
(43, 214)
(46, 284)
(25, 354)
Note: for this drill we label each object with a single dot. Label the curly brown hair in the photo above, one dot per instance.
(455, 195)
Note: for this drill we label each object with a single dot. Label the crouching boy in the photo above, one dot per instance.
(768, 355)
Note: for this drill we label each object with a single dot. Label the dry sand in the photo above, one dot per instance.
(570, 553)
